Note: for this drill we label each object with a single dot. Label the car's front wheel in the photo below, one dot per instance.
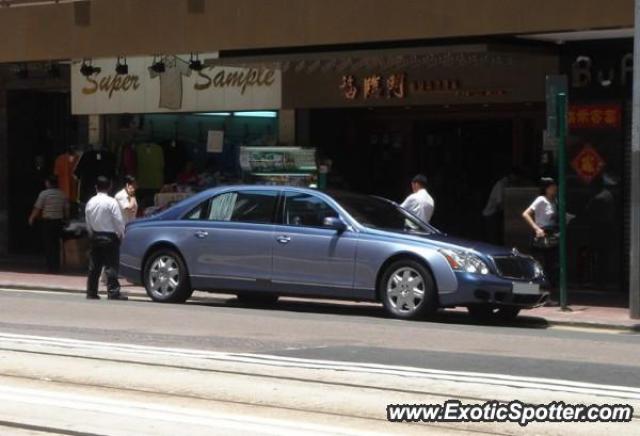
(165, 277)
(489, 313)
(407, 290)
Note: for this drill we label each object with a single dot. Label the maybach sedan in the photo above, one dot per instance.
(262, 242)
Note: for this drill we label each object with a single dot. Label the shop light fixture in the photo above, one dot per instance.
(195, 63)
(215, 114)
(158, 66)
(257, 114)
(87, 69)
(121, 66)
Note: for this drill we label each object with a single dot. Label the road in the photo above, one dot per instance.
(308, 360)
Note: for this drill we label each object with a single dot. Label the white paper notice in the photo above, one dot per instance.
(215, 141)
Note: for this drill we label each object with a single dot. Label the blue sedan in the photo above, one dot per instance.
(261, 242)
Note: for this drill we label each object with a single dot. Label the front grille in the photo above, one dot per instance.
(515, 267)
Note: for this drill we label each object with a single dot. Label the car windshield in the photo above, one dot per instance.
(379, 213)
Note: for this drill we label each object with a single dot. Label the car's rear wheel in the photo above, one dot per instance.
(407, 290)
(489, 313)
(165, 277)
(257, 298)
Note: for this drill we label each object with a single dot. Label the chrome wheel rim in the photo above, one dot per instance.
(405, 290)
(164, 276)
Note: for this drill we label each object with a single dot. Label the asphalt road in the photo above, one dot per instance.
(332, 331)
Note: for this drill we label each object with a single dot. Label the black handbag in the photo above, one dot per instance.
(551, 239)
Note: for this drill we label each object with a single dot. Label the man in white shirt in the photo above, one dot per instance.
(126, 198)
(105, 224)
(420, 203)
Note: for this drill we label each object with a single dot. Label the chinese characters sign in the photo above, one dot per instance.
(596, 116)
(588, 164)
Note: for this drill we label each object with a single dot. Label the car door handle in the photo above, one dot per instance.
(201, 234)
(283, 239)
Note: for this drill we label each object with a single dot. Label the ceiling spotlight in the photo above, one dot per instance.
(121, 66)
(195, 63)
(158, 65)
(89, 70)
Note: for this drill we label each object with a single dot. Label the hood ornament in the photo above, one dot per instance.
(515, 251)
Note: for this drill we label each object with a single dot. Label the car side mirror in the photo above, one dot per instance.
(334, 223)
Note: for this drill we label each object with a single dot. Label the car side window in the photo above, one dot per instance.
(244, 206)
(198, 212)
(302, 209)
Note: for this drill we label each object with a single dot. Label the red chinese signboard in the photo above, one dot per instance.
(588, 164)
(595, 116)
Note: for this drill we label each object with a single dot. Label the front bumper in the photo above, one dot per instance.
(490, 289)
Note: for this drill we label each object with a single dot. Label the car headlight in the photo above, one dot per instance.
(538, 271)
(464, 261)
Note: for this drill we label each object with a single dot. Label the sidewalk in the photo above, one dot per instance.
(593, 315)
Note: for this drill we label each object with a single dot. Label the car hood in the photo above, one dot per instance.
(446, 241)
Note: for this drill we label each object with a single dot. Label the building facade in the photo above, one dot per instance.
(454, 89)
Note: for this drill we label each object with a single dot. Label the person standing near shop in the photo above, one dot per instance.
(105, 224)
(126, 198)
(542, 217)
(51, 208)
(419, 203)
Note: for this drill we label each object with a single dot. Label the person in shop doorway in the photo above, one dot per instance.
(51, 209)
(493, 212)
(419, 203)
(542, 217)
(105, 224)
(126, 198)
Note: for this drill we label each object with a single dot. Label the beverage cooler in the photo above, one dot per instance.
(292, 166)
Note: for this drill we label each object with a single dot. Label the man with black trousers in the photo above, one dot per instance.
(51, 208)
(105, 224)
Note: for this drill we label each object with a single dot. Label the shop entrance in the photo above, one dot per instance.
(462, 160)
(462, 152)
(39, 126)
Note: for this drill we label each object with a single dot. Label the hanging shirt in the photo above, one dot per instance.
(171, 81)
(129, 161)
(103, 214)
(420, 204)
(92, 164)
(544, 212)
(150, 166)
(128, 205)
(63, 168)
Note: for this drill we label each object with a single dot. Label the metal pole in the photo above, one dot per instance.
(561, 117)
(634, 231)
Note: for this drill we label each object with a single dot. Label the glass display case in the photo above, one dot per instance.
(293, 166)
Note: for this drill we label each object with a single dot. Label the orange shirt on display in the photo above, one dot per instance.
(64, 166)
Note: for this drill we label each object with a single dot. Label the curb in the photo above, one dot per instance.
(550, 322)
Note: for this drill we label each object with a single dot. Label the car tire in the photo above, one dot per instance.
(407, 290)
(257, 298)
(166, 278)
(489, 313)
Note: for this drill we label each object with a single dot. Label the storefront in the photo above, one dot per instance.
(600, 82)
(463, 115)
(35, 126)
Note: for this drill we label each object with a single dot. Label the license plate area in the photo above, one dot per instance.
(522, 288)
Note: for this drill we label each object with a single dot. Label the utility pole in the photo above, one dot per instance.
(634, 231)
(561, 120)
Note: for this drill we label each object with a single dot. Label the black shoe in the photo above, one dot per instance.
(118, 296)
(93, 297)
